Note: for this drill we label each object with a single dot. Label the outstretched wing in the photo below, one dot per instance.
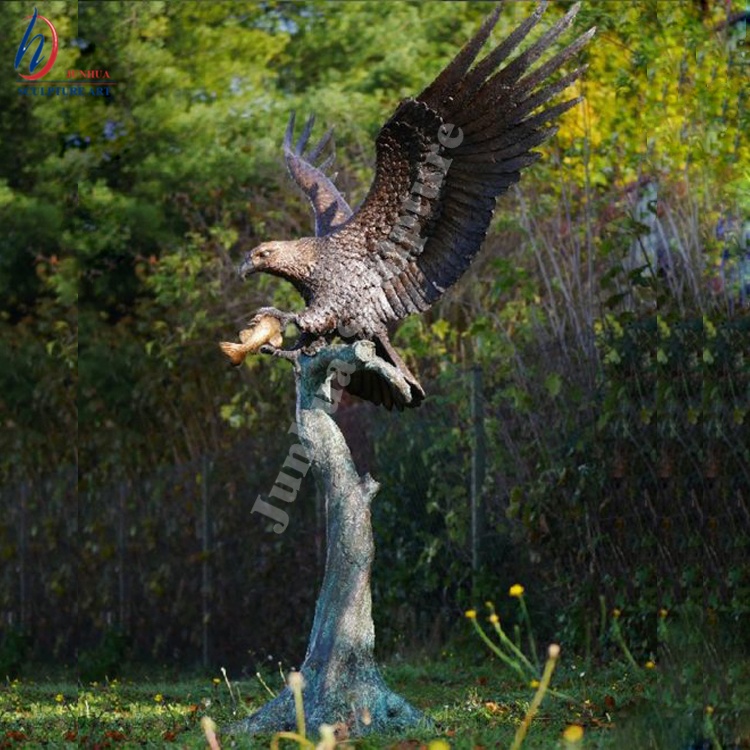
(444, 157)
(329, 206)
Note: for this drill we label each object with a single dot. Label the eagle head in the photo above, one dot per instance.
(268, 256)
(293, 260)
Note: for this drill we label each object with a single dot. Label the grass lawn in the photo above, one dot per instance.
(473, 705)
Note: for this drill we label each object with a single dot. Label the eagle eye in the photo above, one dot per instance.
(264, 253)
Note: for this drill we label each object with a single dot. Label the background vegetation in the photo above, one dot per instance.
(607, 315)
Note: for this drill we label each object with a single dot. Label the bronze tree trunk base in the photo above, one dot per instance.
(343, 685)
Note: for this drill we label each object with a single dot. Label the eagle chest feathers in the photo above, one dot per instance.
(443, 159)
(349, 288)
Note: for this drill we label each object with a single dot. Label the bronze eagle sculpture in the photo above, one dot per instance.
(443, 158)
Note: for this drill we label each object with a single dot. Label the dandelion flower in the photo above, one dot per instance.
(534, 684)
(59, 697)
(438, 745)
(709, 710)
(471, 614)
(216, 681)
(616, 613)
(494, 619)
(516, 590)
(663, 612)
(159, 698)
(573, 733)
(650, 664)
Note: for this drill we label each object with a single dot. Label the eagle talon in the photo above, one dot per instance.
(312, 348)
(284, 318)
(292, 355)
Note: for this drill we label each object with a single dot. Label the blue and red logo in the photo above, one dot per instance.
(37, 58)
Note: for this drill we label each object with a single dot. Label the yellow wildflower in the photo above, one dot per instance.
(709, 710)
(494, 619)
(663, 612)
(650, 664)
(59, 697)
(438, 745)
(573, 733)
(616, 613)
(158, 698)
(471, 614)
(216, 681)
(516, 590)
(534, 684)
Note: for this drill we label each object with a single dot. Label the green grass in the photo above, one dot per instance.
(472, 704)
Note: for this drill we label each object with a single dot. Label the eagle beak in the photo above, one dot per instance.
(246, 267)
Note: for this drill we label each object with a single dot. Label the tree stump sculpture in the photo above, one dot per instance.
(342, 682)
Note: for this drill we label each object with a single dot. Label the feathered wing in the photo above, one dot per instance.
(444, 157)
(329, 206)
